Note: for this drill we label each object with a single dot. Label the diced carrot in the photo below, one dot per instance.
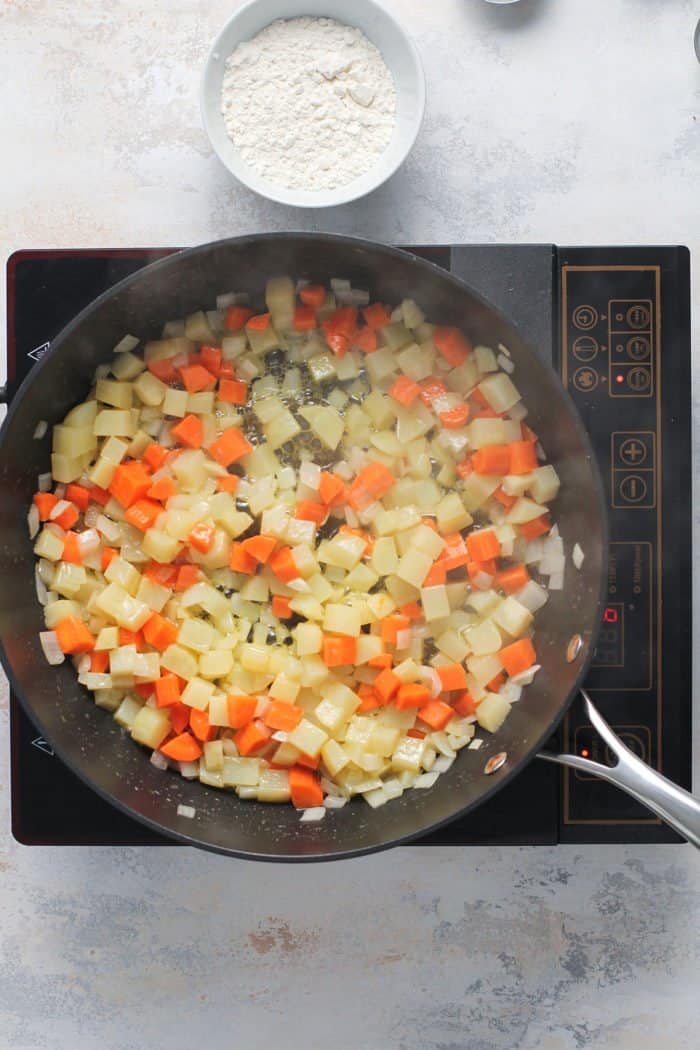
(452, 676)
(452, 344)
(283, 565)
(163, 575)
(376, 315)
(189, 431)
(503, 498)
(260, 547)
(312, 295)
(465, 704)
(492, 459)
(159, 632)
(187, 576)
(201, 536)
(135, 638)
(371, 483)
(233, 392)
(412, 610)
(369, 701)
(437, 574)
(69, 517)
(436, 714)
(518, 656)
(236, 317)
(523, 457)
(430, 389)
(130, 481)
(404, 390)
(381, 661)
(365, 339)
(144, 690)
(465, 468)
(240, 561)
(228, 484)
(308, 511)
(339, 329)
(282, 716)
(167, 689)
(71, 549)
(304, 788)
(530, 530)
(386, 684)
(229, 447)
(495, 684)
(483, 545)
(304, 318)
(454, 418)
(259, 322)
(162, 490)
(251, 738)
(417, 734)
(182, 748)
(106, 557)
(331, 488)
(488, 413)
(477, 396)
(201, 726)
(226, 370)
(211, 359)
(280, 607)
(455, 554)
(338, 651)
(391, 625)
(527, 433)
(179, 716)
(143, 513)
(241, 710)
(362, 534)
(78, 495)
(154, 454)
(99, 661)
(195, 378)
(99, 495)
(512, 579)
(164, 370)
(477, 568)
(45, 503)
(73, 636)
(411, 694)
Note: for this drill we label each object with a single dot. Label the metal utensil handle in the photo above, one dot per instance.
(676, 807)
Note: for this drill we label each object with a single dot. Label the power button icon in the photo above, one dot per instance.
(585, 317)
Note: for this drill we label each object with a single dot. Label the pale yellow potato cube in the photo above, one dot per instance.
(400, 591)
(102, 473)
(216, 663)
(198, 329)
(117, 421)
(160, 546)
(500, 392)
(359, 731)
(545, 485)
(427, 541)
(414, 567)
(114, 450)
(121, 572)
(152, 594)
(492, 711)
(524, 510)
(325, 422)
(368, 646)
(280, 299)
(435, 602)
(214, 756)
(254, 658)
(273, 786)
(512, 616)
(383, 740)
(342, 619)
(108, 638)
(309, 638)
(409, 755)
(308, 738)
(175, 403)
(235, 522)
(73, 442)
(201, 403)
(49, 546)
(330, 716)
(307, 606)
(334, 757)
(179, 661)
(218, 709)
(413, 422)
(341, 695)
(382, 363)
(146, 666)
(255, 589)
(261, 462)
(417, 362)
(485, 638)
(127, 366)
(320, 587)
(127, 711)
(314, 672)
(390, 522)
(484, 668)
(284, 688)
(111, 392)
(241, 772)
(68, 579)
(56, 611)
(344, 551)
(361, 578)
(451, 514)
(82, 415)
(517, 484)
(190, 469)
(65, 469)
(281, 429)
(379, 408)
(196, 634)
(150, 726)
(197, 693)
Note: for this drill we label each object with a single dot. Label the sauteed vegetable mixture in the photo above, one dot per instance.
(292, 551)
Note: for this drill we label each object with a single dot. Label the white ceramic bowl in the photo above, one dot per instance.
(398, 52)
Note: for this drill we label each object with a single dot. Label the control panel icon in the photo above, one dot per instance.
(633, 474)
(585, 379)
(585, 348)
(585, 317)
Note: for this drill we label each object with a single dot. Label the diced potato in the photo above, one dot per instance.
(126, 713)
(111, 392)
(500, 392)
(453, 646)
(322, 367)
(281, 429)
(524, 510)
(216, 663)
(197, 693)
(179, 661)
(384, 559)
(395, 335)
(127, 366)
(284, 688)
(379, 408)
(159, 546)
(214, 756)
(484, 668)
(115, 421)
(175, 403)
(342, 619)
(512, 617)
(49, 546)
(334, 757)
(196, 634)
(414, 567)
(485, 359)
(197, 328)
(309, 638)
(492, 711)
(477, 489)
(325, 422)
(217, 711)
(121, 572)
(486, 431)
(545, 485)
(108, 638)
(241, 772)
(150, 726)
(409, 755)
(484, 638)
(254, 657)
(344, 551)
(308, 738)
(413, 422)
(73, 442)
(451, 514)
(273, 785)
(517, 484)
(280, 301)
(427, 540)
(435, 602)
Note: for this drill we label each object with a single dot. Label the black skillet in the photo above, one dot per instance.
(97, 750)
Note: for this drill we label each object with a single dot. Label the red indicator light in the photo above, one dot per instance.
(619, 379)
(585, 752)
(611, 615)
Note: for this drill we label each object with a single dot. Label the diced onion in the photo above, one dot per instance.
(91, 515)
(506, 364)
(313, 814)
(442, 763)
(51, 649)
(189, 770)
(518, 412)
(577, 556)
(343, 470)
(125, 345)
(33, 521)
(230, 749)
(511, 692)
(403, 638)
(482, 581)
(40, 586)
(88, 542)
(334, 802)
(262, 706)
(299, 585)
(44, 482)
(351, 517)
(552, 564)
(158, 760)
(532, 596)
(426, 780)
(475, 744)
(56, 511)
(111, 530)
(186, 811)
(310, 474)
(525, 677)
(40, 430)
(329, 787)
(556, 581)
(340, 284)
(429, 677)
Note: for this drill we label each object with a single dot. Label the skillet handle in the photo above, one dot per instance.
(676, 807)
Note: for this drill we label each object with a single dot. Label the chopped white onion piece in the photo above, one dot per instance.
(503, 349)
(345, 298)
(230, 749)
(33, 521)
(158, 760)
(334, 802)
(525, 677)
(430, 678)
(482, 581)
(533, 551)
(58, 509)
(186, 811)
(40, 587)
(532, 596)
(475, 744)
(91, 515)
(511, 692)
(111, 530)
(552, 564)
(577, 556)
(329, 787)
(442, 763)
(126, 345)
(506, 364)
(262, 706)
(340, 284)
(403, 638)
(310, 474)
(40, 429)
(51, 649)
(368, 515)
(351, 517)
(84, 664)
(426, 780)
(343, 470)
(88, 542)
(247, 369)
(360, 297)
(313, 814)
(556, 581)
(299, 585)
(518, 412)
(189, 770)
(541, 454)
(44, 482)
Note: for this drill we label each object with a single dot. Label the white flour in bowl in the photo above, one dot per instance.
(309, 103)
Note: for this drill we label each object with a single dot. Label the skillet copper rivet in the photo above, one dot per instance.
(574, 648)
(495, 762)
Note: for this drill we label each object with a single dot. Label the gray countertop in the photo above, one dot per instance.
(573, 122)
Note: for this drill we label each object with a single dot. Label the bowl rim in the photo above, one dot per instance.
(342, 194)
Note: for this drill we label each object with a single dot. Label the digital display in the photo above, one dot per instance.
(610, 651)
